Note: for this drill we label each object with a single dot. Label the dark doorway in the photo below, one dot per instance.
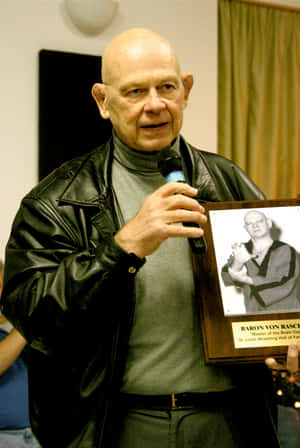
(69, 121)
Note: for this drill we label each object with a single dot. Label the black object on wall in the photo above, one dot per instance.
(69, 120)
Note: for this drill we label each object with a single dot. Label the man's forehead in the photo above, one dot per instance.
(136, 39)
(136, 48)
(253, 216)
(146, 79)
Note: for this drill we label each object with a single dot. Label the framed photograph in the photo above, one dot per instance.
(248, 280)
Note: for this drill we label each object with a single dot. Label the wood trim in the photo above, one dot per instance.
(271, 5)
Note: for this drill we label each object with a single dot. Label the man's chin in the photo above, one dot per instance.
(154, 145)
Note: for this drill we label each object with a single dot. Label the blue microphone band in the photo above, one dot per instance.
(175, 176)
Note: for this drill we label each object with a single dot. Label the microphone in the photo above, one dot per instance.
(170, 166)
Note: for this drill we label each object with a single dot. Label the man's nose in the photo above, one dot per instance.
(154, 102)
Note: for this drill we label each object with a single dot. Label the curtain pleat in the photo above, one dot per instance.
(259, 94)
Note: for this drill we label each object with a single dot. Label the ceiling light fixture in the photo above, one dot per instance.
(91, 16)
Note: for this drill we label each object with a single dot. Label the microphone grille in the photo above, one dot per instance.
(168, 161)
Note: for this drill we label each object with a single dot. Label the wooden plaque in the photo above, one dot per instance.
(244, 322)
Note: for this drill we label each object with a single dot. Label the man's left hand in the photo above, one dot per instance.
(292, 360)
(286, 377)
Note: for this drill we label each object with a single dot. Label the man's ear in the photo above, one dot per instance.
(188, 81)
(99, 95)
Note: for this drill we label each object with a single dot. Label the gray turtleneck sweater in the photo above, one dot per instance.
(165, 352)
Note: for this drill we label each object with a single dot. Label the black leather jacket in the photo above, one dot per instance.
(69, 289)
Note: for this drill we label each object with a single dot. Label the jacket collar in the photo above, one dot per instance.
(89, 177)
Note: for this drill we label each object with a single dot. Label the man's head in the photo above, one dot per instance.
(143, 91)
(257, 224)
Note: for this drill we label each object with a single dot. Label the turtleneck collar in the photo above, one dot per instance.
(141, 162)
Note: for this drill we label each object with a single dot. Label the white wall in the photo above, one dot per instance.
(28, 26)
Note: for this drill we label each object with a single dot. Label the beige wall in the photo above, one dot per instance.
(26, 27)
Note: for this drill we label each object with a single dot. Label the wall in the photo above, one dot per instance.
(191, 25)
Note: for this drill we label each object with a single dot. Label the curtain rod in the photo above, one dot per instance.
(271, 5)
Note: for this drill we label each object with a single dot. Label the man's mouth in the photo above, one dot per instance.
(154, 126)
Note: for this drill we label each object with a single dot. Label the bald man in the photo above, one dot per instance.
(266, 270)
(99, 278)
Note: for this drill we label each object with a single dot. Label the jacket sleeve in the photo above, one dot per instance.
(226, 277)
(230, 183)
(55, 289)
(279, 278)
(235, 181)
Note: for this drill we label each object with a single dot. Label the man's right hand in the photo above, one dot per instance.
(173, 203)
(240, 256)
(240, 276)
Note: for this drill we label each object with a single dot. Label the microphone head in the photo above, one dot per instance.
(168, 161)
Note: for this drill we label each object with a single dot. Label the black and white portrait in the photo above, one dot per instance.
(257, 253)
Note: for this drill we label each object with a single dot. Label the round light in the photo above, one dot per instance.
(91, 16)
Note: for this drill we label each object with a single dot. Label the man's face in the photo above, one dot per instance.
(146, 98)
(257, 225)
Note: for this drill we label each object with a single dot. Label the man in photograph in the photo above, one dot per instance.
(267, 270)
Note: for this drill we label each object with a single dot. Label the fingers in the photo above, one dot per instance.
(171, 188)
(182, 209)
(173, 203)
(178, 195)
(292, 361)
(239, 247)
(185, 216)
(273, 364)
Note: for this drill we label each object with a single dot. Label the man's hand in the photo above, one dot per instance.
(286, 377)
(240, 256)
(173, 203)
(240, 276)
(292, 360)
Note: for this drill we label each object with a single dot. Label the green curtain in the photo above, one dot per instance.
(259, 94)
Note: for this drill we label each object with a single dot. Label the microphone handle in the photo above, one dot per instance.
(198, 245)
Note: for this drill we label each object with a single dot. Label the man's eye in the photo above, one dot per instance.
(135, 92)
(168, 87)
